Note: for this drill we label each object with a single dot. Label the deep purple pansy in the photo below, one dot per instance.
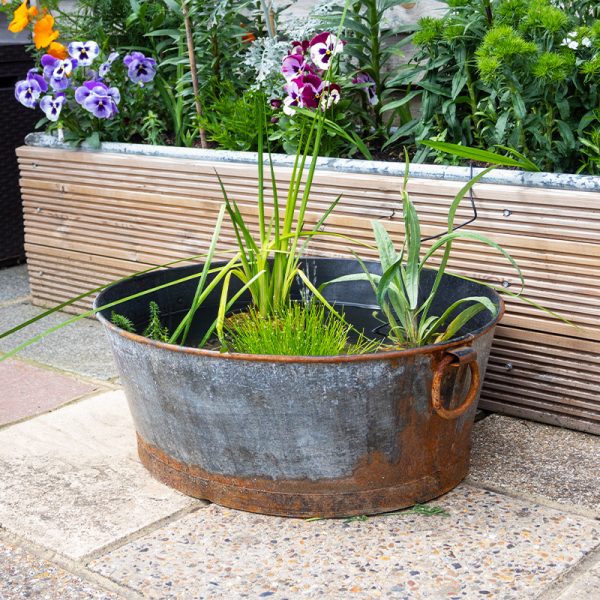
(98, 99)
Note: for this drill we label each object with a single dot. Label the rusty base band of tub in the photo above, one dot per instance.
(319, 500)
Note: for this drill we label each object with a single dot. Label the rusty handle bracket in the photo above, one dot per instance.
(455, 358)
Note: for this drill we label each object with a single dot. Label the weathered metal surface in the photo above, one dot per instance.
(455, 358)
(301, 436)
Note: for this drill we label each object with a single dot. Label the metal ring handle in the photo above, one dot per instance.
(456, 357)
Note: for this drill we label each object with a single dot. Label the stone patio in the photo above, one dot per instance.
(81, 518)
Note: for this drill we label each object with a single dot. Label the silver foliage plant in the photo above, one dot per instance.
(264, 54)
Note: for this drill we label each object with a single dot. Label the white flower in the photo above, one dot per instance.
(586, 42)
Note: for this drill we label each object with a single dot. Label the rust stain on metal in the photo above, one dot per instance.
(376, 486)
(393, 356)
(463, 356)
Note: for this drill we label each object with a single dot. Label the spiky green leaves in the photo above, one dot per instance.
(554, 67)
(502, 48)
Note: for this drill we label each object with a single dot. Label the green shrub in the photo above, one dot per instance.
(518, 73)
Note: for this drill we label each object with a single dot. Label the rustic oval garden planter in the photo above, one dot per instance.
(301, 436)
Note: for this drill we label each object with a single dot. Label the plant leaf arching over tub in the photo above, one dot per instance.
(93, 217)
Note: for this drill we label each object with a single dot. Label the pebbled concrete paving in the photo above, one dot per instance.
(27, 390)
(24, 576)
(78, 348)
(71, 480)
(14, 284)
(488, 545)
(512, 454)
(587, 586)
(81, 518)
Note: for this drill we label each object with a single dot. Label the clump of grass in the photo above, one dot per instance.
(296, 330)
(122, 322)
(155, 330)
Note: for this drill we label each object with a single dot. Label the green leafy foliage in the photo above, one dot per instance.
(230, 120)
(512, 73)
(155, 329)
(409, 318)
(373, 47)
(297, 329)
(122, 322)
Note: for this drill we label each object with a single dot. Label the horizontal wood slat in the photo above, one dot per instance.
(94, 217)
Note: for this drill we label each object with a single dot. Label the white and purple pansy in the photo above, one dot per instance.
(140, 69)
(84, 52)
(294, 65)
(367, 83)
(293, 89)
(329, 94)
(98, 99)
(28, 91)
(323, 48)
(57, 71)
(106, 66)
(51, 106)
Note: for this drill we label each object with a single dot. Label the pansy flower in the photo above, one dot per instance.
(329, 94)
(52, 106)
(293, 89)
(323, 48)
(367, 83)
(310, 92)
(21, 17)
(57, 71)
(140, 69)
(105, 66)
(300, 47)
(98, 99)
(28, 91)
(44, 33)
(294, 65)
(84, 52)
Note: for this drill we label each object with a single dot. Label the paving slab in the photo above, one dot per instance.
(14, 284)
(79, 348)
(585, 587)
(71, 480)
(27, 390)
(512, 455)
(488, 546)
(26, 576)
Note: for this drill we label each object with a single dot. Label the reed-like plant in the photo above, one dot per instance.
(409, 317)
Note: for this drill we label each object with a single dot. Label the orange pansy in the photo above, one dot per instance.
(58, 51)
(21, 17)
(43, 32)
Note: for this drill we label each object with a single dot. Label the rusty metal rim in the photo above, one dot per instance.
(308, 359)
(293, 504)
(392, 355)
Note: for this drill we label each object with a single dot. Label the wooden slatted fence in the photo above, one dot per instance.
(91, 217)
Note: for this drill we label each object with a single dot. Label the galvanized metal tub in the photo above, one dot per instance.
(301, 436)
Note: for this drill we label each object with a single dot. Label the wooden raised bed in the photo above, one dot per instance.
(91, 217)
